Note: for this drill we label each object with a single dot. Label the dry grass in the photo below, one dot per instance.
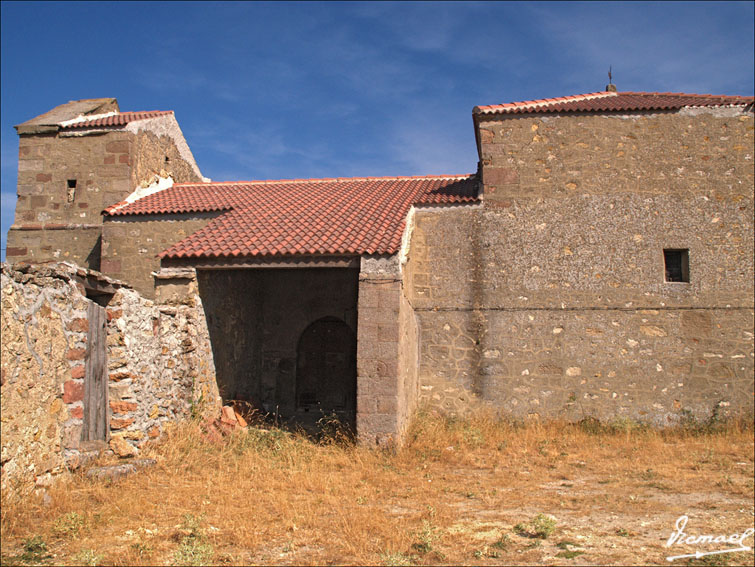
(473, 491)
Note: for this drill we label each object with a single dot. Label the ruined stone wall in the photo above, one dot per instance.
(552, 301)
(159, 368)
(130, 245)
(41, 325)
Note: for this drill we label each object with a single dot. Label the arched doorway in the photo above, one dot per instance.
(326, 369)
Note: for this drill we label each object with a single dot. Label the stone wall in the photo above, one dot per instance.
(100, 164)
(386, 353)
(100, 167)
(77, 243)
(131, 245)
(552, 301)
(159, 368)
(40, 326)
(695, 151)
(408, 364)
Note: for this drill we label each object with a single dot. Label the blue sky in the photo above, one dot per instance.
(285, 90)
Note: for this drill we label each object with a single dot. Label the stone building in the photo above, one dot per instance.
(79, 158)
(599, 263)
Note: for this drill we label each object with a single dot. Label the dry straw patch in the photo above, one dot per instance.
(471, 491)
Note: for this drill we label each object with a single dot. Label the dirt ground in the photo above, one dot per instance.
(472, 492)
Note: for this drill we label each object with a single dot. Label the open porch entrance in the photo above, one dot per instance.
(285, 339)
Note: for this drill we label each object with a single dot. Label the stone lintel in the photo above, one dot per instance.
(175, 274)
(99, 287)
(379, 266)
(36, 129)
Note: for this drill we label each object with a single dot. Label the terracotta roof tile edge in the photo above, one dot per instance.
(83, 119)
(114, 207)
(728, 100)
(86, 118)
(331, 180)
(492, 108)
(117, 209)
(744, 99)
(265, 255)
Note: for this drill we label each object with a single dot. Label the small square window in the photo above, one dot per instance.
(71, 190)
(677, 264)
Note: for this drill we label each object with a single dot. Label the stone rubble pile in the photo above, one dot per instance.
(229, 422)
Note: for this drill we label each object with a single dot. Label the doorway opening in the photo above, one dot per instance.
(326, 369)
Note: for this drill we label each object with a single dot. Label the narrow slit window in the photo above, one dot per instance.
(677, 265)
(71, 190)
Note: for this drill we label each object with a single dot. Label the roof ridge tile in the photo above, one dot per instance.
(112, 119)
(610, 101)
(326, 180)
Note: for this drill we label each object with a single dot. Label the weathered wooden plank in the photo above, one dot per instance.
(95, 423)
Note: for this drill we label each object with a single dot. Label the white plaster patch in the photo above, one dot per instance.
(728, 111)
(161, 184)
(86, 118)
(406, 237)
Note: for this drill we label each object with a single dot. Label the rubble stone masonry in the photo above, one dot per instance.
(131, 245)
(159, 360)
(551, 300)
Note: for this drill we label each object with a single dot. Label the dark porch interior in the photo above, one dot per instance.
(284, 340)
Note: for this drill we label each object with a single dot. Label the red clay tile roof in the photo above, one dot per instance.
(341, 216)
(614, 102)
(120, 119)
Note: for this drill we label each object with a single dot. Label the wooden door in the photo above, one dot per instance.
(95, 426)
(326, 367)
